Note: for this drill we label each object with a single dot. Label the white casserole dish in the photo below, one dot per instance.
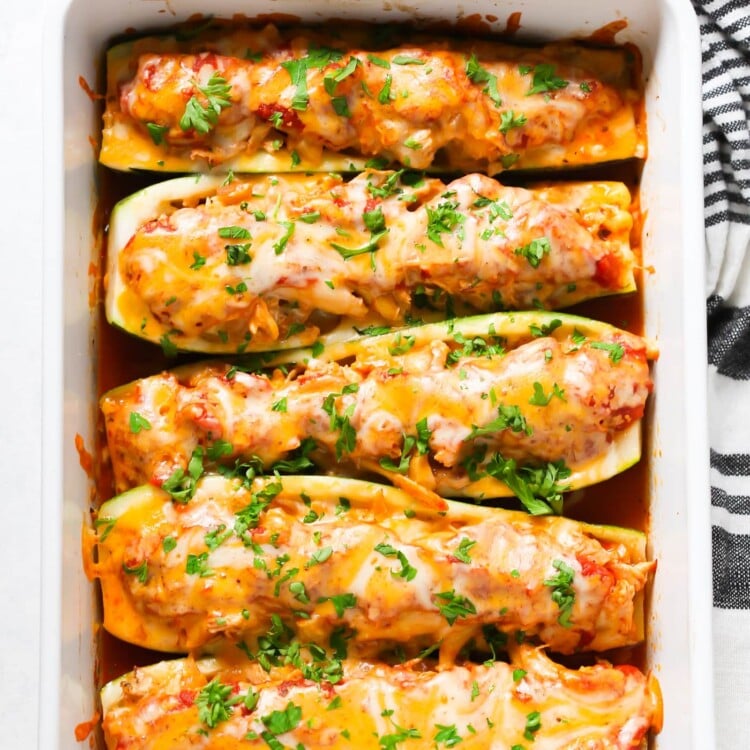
(679, 637)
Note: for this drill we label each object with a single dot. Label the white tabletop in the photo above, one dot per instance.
(21, 373)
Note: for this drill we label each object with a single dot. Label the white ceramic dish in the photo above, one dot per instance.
(679, 637)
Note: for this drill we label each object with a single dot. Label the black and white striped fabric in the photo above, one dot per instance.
(725, 35)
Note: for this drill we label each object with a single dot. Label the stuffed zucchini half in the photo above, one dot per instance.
(325, 553)
(270, 100)
(530, 702)
(527, 403)
(278, 261)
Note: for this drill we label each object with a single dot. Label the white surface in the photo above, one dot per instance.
(21, 131)
(20, 374)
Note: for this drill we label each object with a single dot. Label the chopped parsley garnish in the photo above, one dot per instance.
(545, 329)
(401, 344)
(518, 675)
(317, 57)
(473, 347)
(234, 233)
(563, 593)
(198, 261)
(249, 516)
(167, 345)
(452, 606)
(138, 422)
(384, 95)
(214, 539)
(447, 735)
(424, 433)
(310, 218)
(203, 117)
(168, 543)
(198, 565)
(341, 602)
(218, 449)
(374, 220)
(181, 484)
(391, 741)
(215, 703)
(281, 243)
(389, 187)
(478, 74)
(238, 254)
(139, 571)
(443, 220)
(280, 722)
(280, 405)
(545, 80)
(616, 351)
(462, 552)
(533, 725)
(372, 330)
(406, 60)
(413, 144)
(407, 572)
(403, 465)
(319, 557)
(509, 120)
(538, 488)
(474, 690)
(534, 251)
(539, 398)
(157, 132)
(508, 418)
(107, 523)
(379, 61)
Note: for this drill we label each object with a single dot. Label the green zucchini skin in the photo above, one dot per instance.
(191, 269)
(234, 531)
(279, 414)
(604, 125)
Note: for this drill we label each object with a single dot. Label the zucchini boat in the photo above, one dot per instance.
(271, 100)
(513, 403)
(530, 702)
(328, 553)
(278, 261)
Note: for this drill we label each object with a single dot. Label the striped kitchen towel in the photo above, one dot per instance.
(725, 39)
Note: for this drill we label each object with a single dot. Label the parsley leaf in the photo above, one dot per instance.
(341, 602)
(616, 351)
(203, 117)
(509, 120)
(563, 593)
(138, 422)
(534, 251)
(215, 703)
(443, 220)
(478, 74)
(509, 417)
(447, 735)
(157, 132)
(545, 80)
(462, 552)
(538, 488)
(181, 484)
(452, 606)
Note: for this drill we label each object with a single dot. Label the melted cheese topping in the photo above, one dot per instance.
(467, 104)
(388, 571)
(544, 706)
(546, 400)
(267, 258)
